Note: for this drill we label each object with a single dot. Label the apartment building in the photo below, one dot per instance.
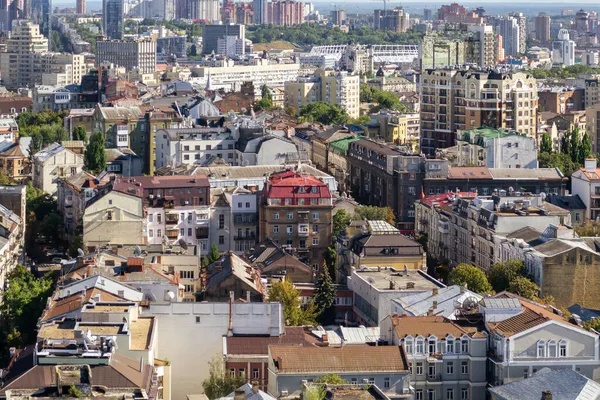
(15, 163)
(62, 97)
(212, 34)
(526, 337)
(446, 360)
(586, 184)
(138, 55)
(12, 236)
(296, 210)
(383, 176)
(397, 128)
(54, 162)
(468, 228)
(337, 161)
(272, 75)
(374, 289)
(450, 302)
(467, 99)
(284, 12)
(73, 193)
(321, 141)
(395, 20)
(329, 86)
(558, 261)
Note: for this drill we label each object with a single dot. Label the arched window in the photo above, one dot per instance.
(562, 348)
(552, 349)
(541, 349)
(450, 344)
(408, 344)
(432, 345)
(464, 345)
(420, 345)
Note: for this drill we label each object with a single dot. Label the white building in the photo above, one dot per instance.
(563, 49)
(54, 162)
(230, 46)
(586, 183)
(272, 75)
(12, 240)
(139, 55)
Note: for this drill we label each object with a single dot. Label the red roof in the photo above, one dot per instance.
(292, 185)
(446, 198)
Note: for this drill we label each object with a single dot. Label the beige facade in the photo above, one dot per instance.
(116, 218)
(52, 163)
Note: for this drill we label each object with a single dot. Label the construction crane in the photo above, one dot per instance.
(384, 5)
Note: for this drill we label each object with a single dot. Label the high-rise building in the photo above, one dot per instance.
(243, 14)
(563, 49)
(582, 22)
(207, 10)
(80, 7)
(338, 17)
(137, 55)
(454, 99)
(212, 33)
(9, 11)
(260, 11)
(542, 27)
(41, 11)
(509, 29)
(396, 20)
(428, 14)
(485, 54)
(112, 19)
(522, 24)
(285, 12)
(23, 49)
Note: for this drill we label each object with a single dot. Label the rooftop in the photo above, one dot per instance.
(425, 326)
(259, 345)
(355, 358)
(382, 279)
(380, 148)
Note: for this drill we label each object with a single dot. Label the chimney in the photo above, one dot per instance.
(239, 394)
(434, 292)
(325, 339)
(463, 287)
(254, 387)
(547, 394)
(590, 166)
(434, 305)
(430, 312)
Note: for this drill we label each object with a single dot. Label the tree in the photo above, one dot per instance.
(289, 110)
(330, 256)
(325, 113)
(314, 392)
(524, 287)
(23, 303)
(561, 161)
(585, 148)
(367, 93)
(263, 104)
(574, 145)
(220, 382)
(95, 158)
(79, 133)
(341, 220)
(593, 323)
(193, 51)
(294, 314)
(546, 146)
(214, 254)
(502, 274)
(372, 213)
(588, 229)
(325, 295)
(362, 120)
(470, 275)
(266, 93)
(4, 180)
(565, 143)
(76, 244)
(51, 224)
(331, 379)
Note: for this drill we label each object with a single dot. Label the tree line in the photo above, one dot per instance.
(574, 149)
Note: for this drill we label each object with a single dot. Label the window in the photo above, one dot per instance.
(221, 239)
(159, 233)
(449, 394)
(562, 348)
(189, 232)
(290, 216)
(431, 345)
(109, 216)
(247, 204)
(255, 373)
(420, 346)
(239, 205)
(354, 381)
(411, 190)
(221, 221)
(315, 215)
(275, 215)
(371, 381)
(464, 394)
(408, 344)
(242, 372)
(288, 202)
(541, 349)
(181, 232)
(430, 394)
(386, 382)
(182, 217)
(315, 241)
(302, 244)
(525, 373)
(197, 319)
(159, 218)
(289, 229)
(419, 394)
(464, 345)
(450, 367)
(431, 371)
(464, 367)
(276, 229)
(150, 218)
(232, 372)
(419, 369)
(410, 368)
(552, 353)
(449, 344)
(151, 233)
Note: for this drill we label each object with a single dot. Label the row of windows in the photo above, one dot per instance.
(182, 217)
(551, 349)
(242, 373)
(464, 368)
(291, 214)
(301, 243)
(464, 394)
(300, 202)
(208, 147)
(417, 346)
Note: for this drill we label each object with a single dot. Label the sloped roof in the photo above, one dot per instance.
(572, 202)
(76, 301)
(232, 264)
(355, 358)
(49, 151)
(425, 326)
(259, 345)
(418, 304)
(14, 151)
(249, 394)
(112, 113)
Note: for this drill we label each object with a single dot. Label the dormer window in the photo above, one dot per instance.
(432, 345)
(450, 344)
(562, 348)
(541, 349)
(420, 346)
(408, 344)
(464, 345)
(552, 349)
(301, 189)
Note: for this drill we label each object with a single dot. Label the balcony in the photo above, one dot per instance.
(201, 233)
(302, 216)
(243, 236)
(434, 378)
(303, 230)
(172, 233)
(172, 218)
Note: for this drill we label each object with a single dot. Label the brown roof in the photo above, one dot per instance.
(259, 345)
(350, 358)
(380, 148)
(469, 172)
(14, 151)
(75, 302)
(532, 315)
(425, 326)
(141, 331)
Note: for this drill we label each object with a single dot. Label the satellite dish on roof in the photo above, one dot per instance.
(543, 196)
(137, 251)
(80, 253)
(182, 243)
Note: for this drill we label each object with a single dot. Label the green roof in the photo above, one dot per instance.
(340, 147)
(477, 136)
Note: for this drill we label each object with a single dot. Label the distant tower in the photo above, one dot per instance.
(41, 14)
(112, 18)
(80, 8)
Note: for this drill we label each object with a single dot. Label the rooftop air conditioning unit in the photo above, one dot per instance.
(284, 393)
